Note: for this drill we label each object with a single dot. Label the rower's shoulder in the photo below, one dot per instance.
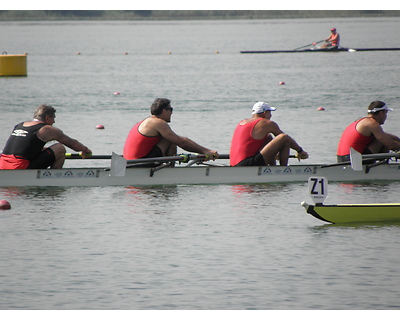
(154, 121)
(368, 121)
(250, 120)
(30, 123)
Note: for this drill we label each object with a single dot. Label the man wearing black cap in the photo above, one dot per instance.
(366, 134)
(333, 40)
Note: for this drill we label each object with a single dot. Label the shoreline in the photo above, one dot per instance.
(146, 15)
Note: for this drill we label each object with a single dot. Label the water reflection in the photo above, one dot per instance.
(32, 192)
(259, 189)
(357, 225)
(155, 200)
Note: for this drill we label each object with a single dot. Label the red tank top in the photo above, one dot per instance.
(138, 145)
(243, 144)
(352, 138)
(335, 39)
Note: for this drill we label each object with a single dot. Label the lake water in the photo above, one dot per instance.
(219, 247)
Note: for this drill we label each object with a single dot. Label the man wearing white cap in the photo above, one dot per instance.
(366, 134)
(257, 141)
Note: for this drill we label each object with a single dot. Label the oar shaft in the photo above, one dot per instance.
(182, 157)
(382, 155)
(222, 156)
(366, 158)
(79, 156)
(307, 45)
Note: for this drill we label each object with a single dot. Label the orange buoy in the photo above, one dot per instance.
(4, 205)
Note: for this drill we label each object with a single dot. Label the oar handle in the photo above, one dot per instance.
(87, 156)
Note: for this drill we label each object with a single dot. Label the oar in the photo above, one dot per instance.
(365, 158)
(88, 156)
(307, 45)
(357, 159)
(119, 164)
(181, 157)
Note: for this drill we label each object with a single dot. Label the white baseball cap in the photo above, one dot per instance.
(261, 107)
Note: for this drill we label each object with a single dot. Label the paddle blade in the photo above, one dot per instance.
(355, 160)
(118, 165)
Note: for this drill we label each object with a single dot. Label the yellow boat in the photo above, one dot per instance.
(354, 213)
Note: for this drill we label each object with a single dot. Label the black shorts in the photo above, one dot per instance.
(44, 160)
(154, 153)
(256, 160)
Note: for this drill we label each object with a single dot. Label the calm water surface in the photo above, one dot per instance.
(197, 247)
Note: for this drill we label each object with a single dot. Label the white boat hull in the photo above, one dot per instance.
(193, 175)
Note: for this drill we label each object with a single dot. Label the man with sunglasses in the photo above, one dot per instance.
(153, 137)
(366, 134)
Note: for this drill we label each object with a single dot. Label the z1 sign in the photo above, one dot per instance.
(318, 189)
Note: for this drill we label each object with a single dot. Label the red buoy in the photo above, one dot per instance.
(4, 205)
(99, 126)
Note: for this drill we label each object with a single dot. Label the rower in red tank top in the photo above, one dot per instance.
(351, 138)
(153, 137)
(333, 40)
(253, 143)
(366, 135)
(138, 145)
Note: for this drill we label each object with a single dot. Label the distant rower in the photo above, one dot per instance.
(333, 40)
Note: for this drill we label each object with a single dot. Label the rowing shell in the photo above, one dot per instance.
(354, 213)
(197, 174)
(339, 49)
(346, 213)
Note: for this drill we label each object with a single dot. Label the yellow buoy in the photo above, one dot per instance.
(13, 65)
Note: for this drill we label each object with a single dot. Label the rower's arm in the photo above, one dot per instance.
(49, 133)
(387, 139)
(273, 127)
(183, 142)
